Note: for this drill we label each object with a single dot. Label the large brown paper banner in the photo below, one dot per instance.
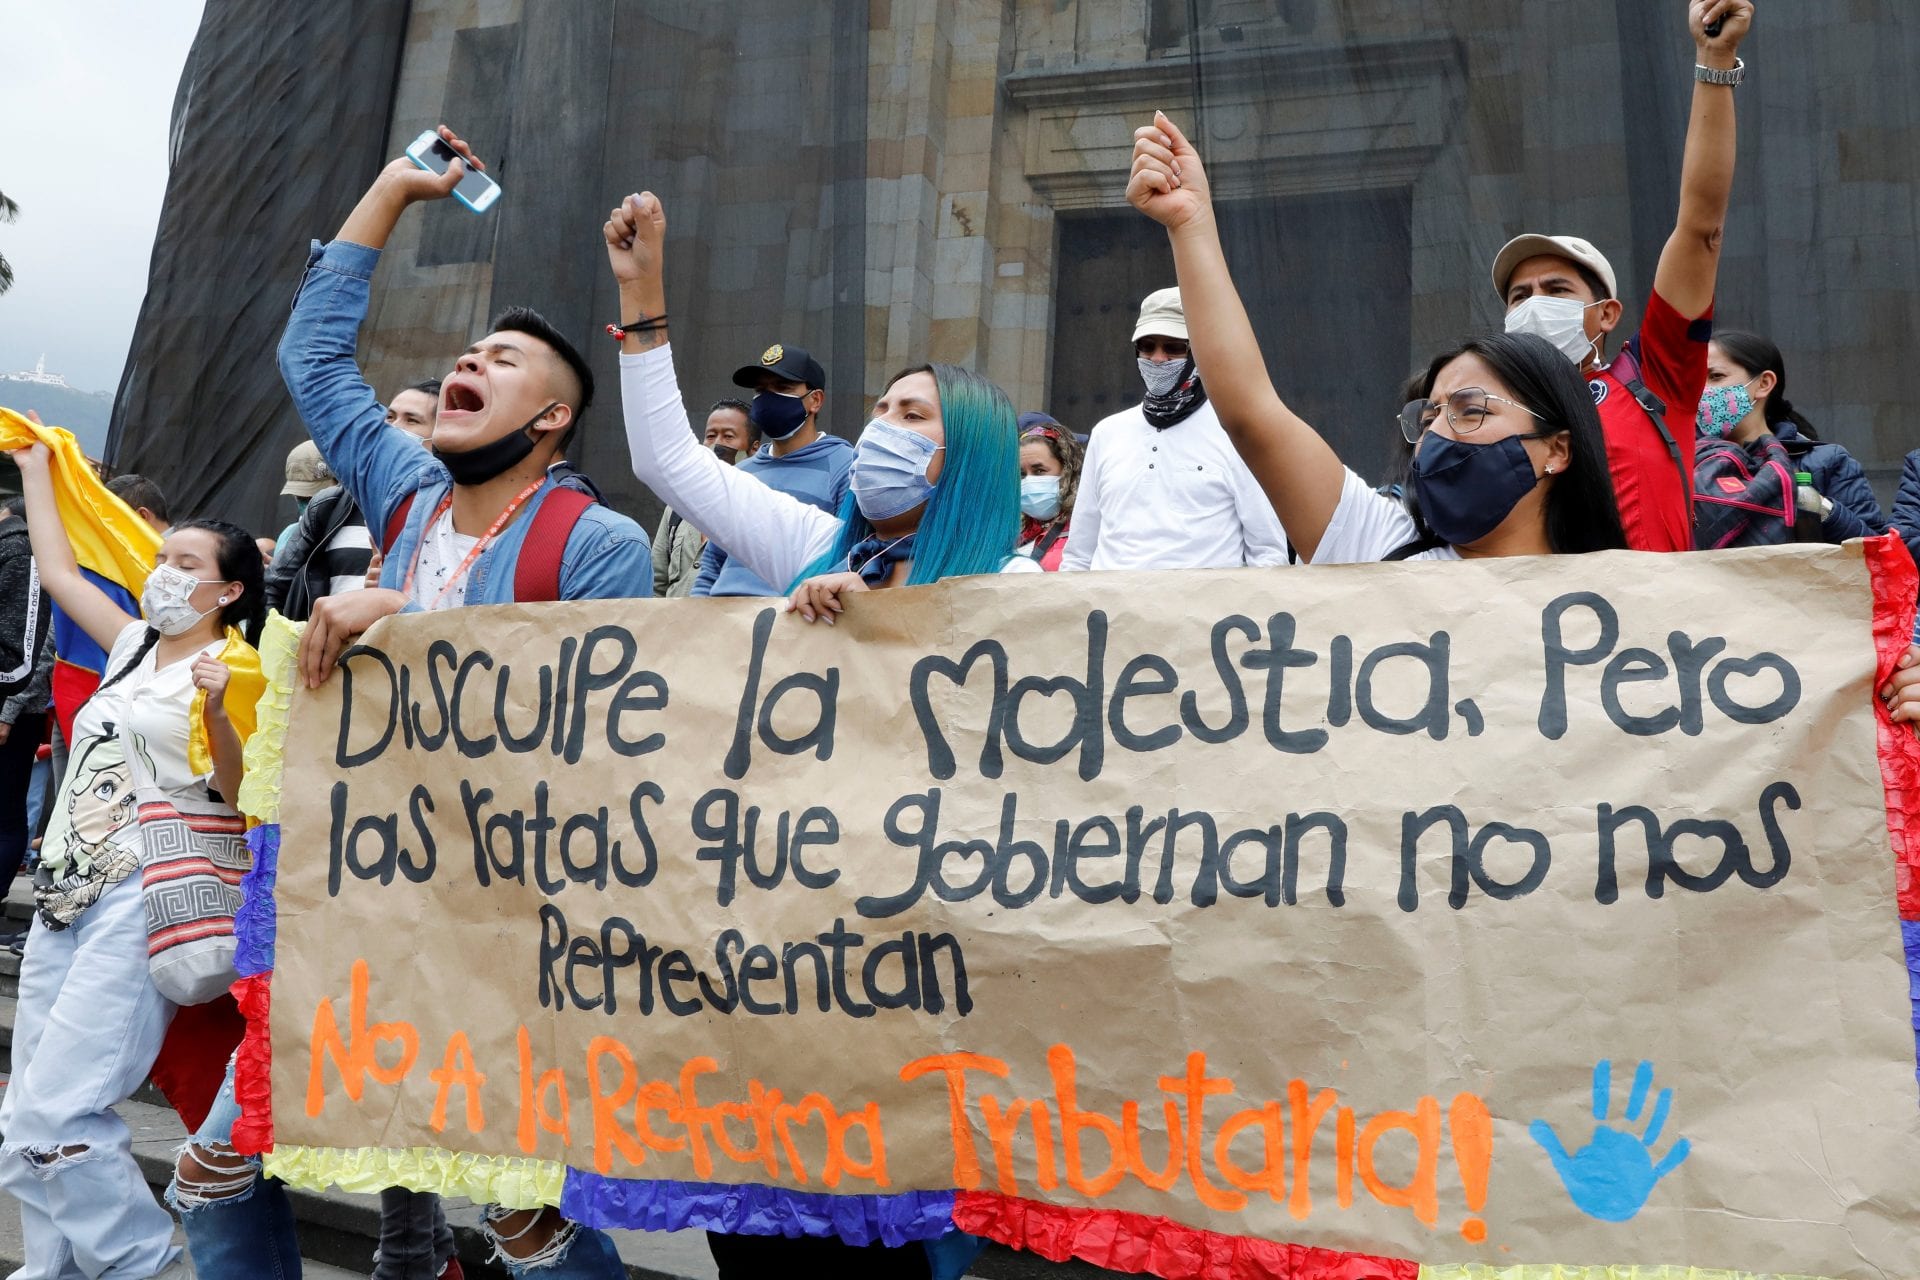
(1529, 910)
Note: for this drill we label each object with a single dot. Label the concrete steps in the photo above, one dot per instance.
(338, 1231)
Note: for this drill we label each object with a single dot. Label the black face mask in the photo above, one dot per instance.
(1179, 404)
(494, 458)
(1466, 490)
(778, 415)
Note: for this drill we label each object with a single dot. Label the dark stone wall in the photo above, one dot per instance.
(279, 124)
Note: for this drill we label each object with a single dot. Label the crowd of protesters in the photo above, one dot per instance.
(1551, 437)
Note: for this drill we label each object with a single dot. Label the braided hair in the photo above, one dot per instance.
(239, 561)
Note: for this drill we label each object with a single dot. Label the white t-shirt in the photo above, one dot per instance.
(92, 841)
(1368, 527)
(1178, 498)
(442, 550)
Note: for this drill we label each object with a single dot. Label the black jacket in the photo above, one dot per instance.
(304, 570)
(1906, 504)
(1838, 476)
(26, 618)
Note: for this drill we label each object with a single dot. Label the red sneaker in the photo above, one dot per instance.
(452, 1270)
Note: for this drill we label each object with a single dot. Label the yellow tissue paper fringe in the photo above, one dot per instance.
(1475, 1271)
(514, 1183)
(266, 749)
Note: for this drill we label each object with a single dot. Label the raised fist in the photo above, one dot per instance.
(1734, 16)
(636, 233)
(1167, 183)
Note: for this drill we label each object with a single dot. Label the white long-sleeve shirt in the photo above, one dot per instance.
(1173, 499)
(773, 534)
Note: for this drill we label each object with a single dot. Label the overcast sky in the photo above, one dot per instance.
(83, 152)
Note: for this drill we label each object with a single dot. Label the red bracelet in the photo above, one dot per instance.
(619, 331)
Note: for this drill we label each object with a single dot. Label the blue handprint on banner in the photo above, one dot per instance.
(1611, 1177)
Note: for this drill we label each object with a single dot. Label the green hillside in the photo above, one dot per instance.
(85, 413)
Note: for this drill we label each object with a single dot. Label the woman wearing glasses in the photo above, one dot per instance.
(1508, 456)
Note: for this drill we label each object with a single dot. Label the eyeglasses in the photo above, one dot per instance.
(1171, 348)
(1466, 409)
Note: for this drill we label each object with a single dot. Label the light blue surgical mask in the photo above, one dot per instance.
(1040, 497)
(890, 470)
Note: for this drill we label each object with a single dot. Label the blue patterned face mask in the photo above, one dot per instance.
(1722, 408)
(890, 470)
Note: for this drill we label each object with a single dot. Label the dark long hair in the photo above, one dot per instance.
(239, 561)
(1758, 355)
(1581, 513)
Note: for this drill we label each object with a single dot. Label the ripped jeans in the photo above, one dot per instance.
(239, 1224)
(539, 1245)
(88, 1027)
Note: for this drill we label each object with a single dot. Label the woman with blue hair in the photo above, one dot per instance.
(934, 493)
(935, 487)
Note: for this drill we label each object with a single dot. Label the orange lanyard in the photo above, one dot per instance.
(486, 540)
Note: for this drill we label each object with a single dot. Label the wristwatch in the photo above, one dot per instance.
(1712, 75)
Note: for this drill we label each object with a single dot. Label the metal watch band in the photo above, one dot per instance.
(1712, 75)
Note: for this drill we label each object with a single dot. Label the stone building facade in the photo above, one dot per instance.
(891, 181)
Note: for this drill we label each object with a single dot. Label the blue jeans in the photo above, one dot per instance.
(37, 808)
(575, 1253)
(88, 1027)
(239, 1223)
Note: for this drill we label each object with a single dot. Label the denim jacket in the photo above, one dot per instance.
(607, 555)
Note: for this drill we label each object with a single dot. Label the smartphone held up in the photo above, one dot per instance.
(476, 190)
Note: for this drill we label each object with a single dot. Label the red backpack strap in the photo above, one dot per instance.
(536, 576)
(396, 522)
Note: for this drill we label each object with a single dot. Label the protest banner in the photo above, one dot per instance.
(1515, 911)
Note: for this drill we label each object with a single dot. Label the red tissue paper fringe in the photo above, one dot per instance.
(1895, 587)
(253, 1067)
(1158, 1246)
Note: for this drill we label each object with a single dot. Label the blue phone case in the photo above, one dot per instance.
(457, 193)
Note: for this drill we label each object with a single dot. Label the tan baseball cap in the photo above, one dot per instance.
(307, 472)
(1534, 245)
(1162, 316)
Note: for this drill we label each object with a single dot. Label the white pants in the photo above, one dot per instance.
(89, 1026)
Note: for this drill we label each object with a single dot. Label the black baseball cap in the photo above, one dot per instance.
(791, 363)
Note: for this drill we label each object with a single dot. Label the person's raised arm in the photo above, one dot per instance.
(318, 351)
(1690, 262)
(60, 575)
(400, 184)
(1300, 474)
(769, 532)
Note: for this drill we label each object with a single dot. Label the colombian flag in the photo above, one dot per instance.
(115, 548)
